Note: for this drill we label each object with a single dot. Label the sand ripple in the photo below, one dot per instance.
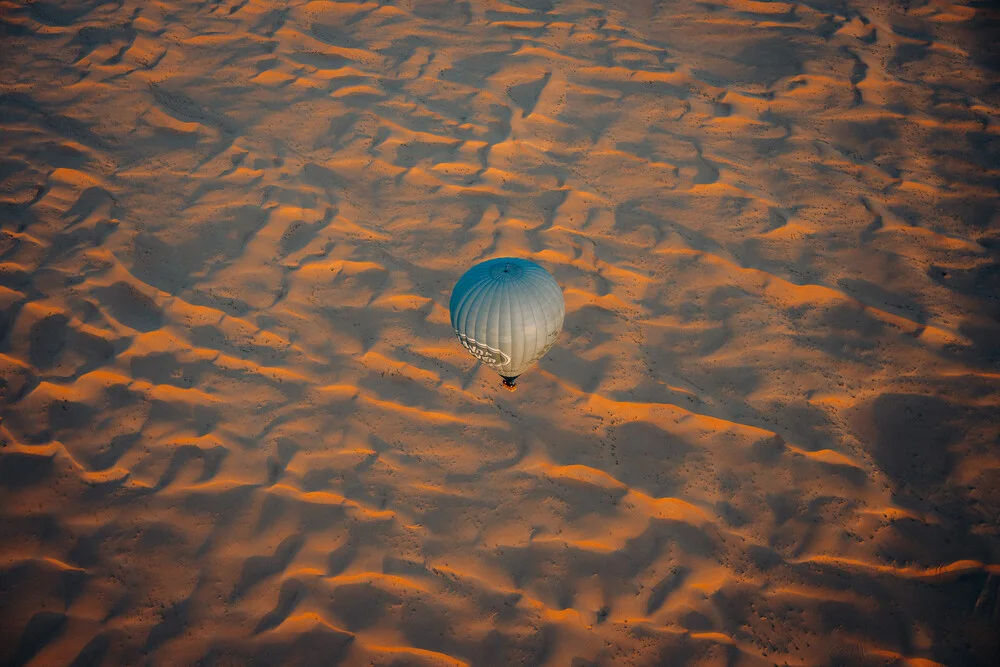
(236, 428)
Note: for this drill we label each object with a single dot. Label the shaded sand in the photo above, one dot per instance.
(236, 426)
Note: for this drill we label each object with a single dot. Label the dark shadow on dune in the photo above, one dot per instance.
(223, 506)
(499, 648)
(550, 570)
(93, 653)
(42, 629)
(48, 338)
(341, 557)
(317, 479)
(300, 651)
(211, 459)
(770, 60)
(951, 609)
(426, 626)
(166, 368)
(677, 651)
(981, 285)
(362, 605)
(580, 499)
(985, 337)
(20, 106)
(913, 541)
(259, 568)
(91, 200)
(763, 62)
(71, 584)
(131, 307)
(912, 436)
(65, 13)
(971, 157)
(202, 419)
(292, 592)
(8, 316)
(89, 38)
(917, 440)
(18, 469)
(664, 588)
(985, 29)
(172, 623)
(651, 458)
(847, 331)
(212, 243)
(272, 508)
(898, 303)
(87, 550)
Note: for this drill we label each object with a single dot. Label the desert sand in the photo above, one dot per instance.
(237, 428)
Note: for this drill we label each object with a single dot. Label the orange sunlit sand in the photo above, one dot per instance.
(237, 426)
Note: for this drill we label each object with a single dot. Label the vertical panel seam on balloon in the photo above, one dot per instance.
(505, 301)
(515, 291)
(473, 311)
(466, 303)
(462, 301)
(535, 319)
(488, 329)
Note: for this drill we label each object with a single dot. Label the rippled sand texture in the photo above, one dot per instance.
(237, 428)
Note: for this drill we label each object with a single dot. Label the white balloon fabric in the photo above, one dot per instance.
(507, 312)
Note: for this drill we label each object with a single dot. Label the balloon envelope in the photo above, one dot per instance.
(507, 312)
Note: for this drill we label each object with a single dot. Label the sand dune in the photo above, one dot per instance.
(237, 428)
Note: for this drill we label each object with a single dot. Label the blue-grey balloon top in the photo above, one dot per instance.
(507, 312)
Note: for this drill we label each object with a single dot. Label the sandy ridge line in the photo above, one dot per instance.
(939, 573)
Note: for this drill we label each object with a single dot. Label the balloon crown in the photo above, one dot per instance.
(505, 271)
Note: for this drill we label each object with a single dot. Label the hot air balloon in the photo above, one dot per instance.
(507, 312)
